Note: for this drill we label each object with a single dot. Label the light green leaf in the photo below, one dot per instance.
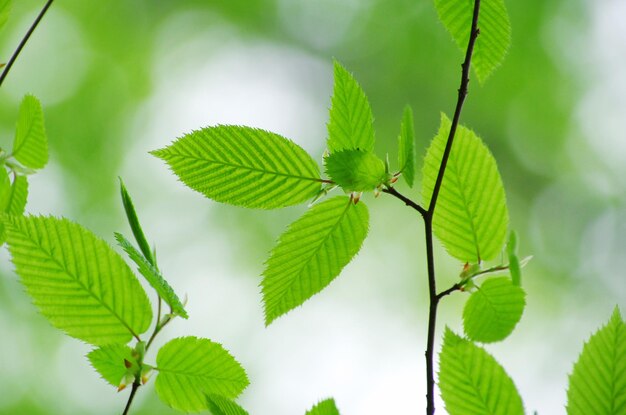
(218, 405)
(406, 147)
(597, 386)
(311, 253)
(472, 382)
(30, 146)
(5, 10)
(325, 407)
(351, 122)
(495, 31)
(190, 368)
(493, 310)
(77, 281)
(355, 170)
(109, 362)
(471, 216)
(135, 226)
(153, 276)
(244, 166)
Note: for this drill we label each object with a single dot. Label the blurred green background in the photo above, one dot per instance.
(120, 78)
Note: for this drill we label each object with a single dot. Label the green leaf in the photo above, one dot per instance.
(406, 147)
(76, 279)
(190, 368)
(109, 362)
(471, 216)
(355, 170)
(218, 405)
(153, 276)
(351, 122)
(597, 386)
(325, 407)
(472, 382)
(495, 31)
(5, 10)
(493, 311)
(244, 166)
(30, 146)
(133, 221)
(311, 253)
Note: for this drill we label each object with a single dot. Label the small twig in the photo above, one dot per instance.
(24, 40)
(392, 191)
(133, 391)
(157, 326)
(455, 287)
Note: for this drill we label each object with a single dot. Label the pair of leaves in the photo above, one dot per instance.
(189, 369)
(257, 169)
(473, 382)
(597, 385)
(495, 31)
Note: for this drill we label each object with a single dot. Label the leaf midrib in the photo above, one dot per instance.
(244, 167)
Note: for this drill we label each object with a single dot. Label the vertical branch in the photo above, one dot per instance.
(24, 40)
(428, 216)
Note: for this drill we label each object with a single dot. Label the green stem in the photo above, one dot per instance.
(24, 40)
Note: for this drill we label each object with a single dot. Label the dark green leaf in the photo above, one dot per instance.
(133, 221)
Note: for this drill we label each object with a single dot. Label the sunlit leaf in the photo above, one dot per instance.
(495, 31)
(325, 407)
(355, 170)
(243, 166)
(471, 216)
(351, 122)
(110, 362)
(472, 382)
(218, 405)
(13, 199)
(77, 281)
(493, 310)
(30, 146)
(191, 368)
(311, 253)
(597, 386)
(406, 147)
(153, 276)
